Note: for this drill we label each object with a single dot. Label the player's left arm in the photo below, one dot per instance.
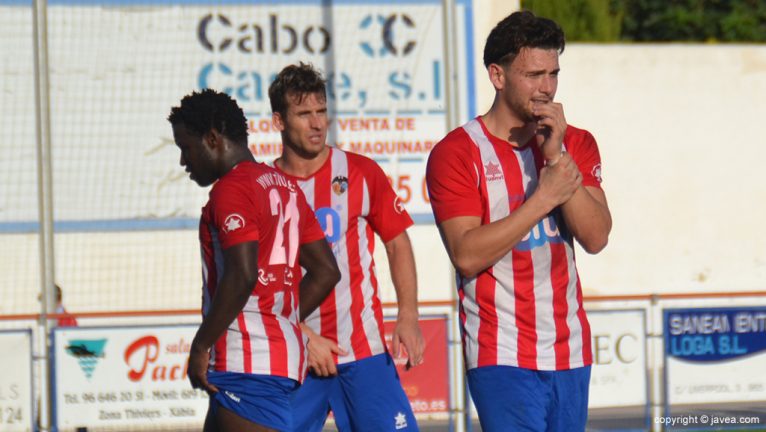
(401, 262)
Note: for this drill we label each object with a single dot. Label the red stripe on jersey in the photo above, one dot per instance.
(277, 343)
(587, 354)
(526, 316)
(359, 343)
(487, 338)
(247, 352)
(560, 279)
(327, 310)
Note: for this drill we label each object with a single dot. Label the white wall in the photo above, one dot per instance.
(679, 128)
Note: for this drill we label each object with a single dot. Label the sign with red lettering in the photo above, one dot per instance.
(112, 377)
(427, 385)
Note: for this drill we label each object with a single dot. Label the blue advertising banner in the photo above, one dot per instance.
(715, 355)
(706, 335)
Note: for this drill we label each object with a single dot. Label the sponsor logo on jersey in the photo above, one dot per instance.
(233, 222)
(401, 421)
(546, 231)
(339, 185)
(492, 171)
(596, 172)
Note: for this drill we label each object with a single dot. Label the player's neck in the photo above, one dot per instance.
(501, 122)
(301, 165)
(233, 159)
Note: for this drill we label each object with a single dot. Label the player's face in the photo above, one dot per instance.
(196, 157)
(531, 79)
(304, 125)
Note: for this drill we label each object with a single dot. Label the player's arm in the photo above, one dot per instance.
(239, 277)
(401, 262)
(588, 218)
(473, 247)
(321, 275)
(586, 213)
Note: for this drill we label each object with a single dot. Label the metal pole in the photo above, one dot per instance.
(45, 200)
(451, 93)
(452, 109)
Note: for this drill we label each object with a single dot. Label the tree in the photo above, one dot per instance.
(582, 20)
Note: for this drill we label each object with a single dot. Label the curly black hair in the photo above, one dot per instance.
(301, 80)
(208, 109)
(521, 30)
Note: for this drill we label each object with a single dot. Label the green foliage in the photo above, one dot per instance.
(582, 20)
(656, 20)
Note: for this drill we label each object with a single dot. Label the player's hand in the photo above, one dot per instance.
(321, 350)
(560, 181)
(199, 358)
(407, 333)
(551, 126)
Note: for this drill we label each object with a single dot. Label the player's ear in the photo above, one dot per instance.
(496, 75)
(213, 139)
(278, 121)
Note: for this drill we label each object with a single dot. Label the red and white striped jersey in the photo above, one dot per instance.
(353, 199)
(254, 202)
(526, 310)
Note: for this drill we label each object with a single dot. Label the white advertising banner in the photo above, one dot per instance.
(124, 376)
(16, 381)
(619, 374)
(715, 355)
(117, 67)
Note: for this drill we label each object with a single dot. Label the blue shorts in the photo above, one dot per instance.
(512, 398)
(261, 399)
(365, 395)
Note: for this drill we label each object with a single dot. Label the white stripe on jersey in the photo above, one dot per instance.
(545, 327)
(573, 321)
(257, 335)
(505, 303)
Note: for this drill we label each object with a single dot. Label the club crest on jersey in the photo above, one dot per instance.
(339, 185)
(492, 171)
(233, 222)
(596, 172)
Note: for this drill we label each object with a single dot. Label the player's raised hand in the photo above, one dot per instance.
(198, 362)
(559, 181)
(321, 350)
(551, 126)
(407, 333)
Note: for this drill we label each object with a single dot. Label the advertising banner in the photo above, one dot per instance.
(715, 355)
(427, 385)
(619, 374)
(118, 66)
(16, 381)
(129, 376)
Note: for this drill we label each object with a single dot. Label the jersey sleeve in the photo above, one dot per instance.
(234, 213)
(453, 179)
(310, 230)
(387, 215)
(584, 151)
